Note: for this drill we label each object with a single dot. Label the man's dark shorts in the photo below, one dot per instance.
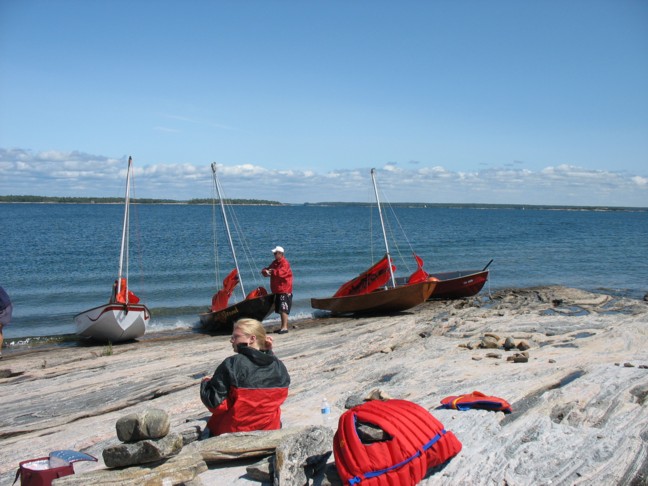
(283, 303)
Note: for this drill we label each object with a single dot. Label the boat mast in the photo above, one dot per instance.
(124, 248)
(229, 235)
(382, 225)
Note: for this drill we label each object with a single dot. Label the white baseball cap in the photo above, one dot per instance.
(278, 249)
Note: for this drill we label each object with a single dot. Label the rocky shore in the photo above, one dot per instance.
(573, 365)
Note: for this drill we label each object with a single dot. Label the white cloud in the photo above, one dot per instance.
(76, 174)
(640, 181)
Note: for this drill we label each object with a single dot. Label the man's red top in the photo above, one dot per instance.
(281, 279)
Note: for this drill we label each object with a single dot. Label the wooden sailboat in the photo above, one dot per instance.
(376, 290)
(458, 284)
(123, 318)
(258, 304)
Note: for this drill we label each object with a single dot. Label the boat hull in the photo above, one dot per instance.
(113, 322)
(223, 320)
(383, 301)
(455, 285)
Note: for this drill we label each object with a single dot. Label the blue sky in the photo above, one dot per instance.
(541, 102)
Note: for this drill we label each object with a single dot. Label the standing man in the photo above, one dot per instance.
(281, 279)
(5, 314)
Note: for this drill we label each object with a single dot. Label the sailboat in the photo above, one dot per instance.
(459, 284)
(123, 318)
(376, 290)
(258, 304)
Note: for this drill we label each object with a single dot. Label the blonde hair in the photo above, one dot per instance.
(252, 327)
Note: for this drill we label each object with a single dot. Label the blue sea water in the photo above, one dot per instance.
(61, 259)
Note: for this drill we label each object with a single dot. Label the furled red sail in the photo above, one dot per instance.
(258, 292)
(374, 278)
(419, 275)
(220, 299)
(119, 295)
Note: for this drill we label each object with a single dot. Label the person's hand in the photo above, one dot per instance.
(265, 272)
(268, 342)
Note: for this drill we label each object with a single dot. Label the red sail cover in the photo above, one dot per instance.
(368, 281)
(419, 275)
(120, 296)
(220, 299)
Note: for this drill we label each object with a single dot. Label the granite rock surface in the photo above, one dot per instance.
(579, 403)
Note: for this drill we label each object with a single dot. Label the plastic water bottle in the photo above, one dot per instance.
(326, 412)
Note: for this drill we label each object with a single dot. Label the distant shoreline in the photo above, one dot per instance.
(259, 202)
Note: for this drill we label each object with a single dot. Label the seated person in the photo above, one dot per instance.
(248, 388)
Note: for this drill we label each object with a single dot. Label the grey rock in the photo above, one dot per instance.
(151, 423)
(190, 433)
(518, 358)
(523, 345)
(262, 471)
(369, 433)
(303, 456)
(493, 355)
(353, 401)
(142, 452)
(377, 394)
(239, 445)
(489, 342)
(509, 343)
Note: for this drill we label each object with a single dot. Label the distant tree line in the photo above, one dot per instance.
(250, 202)
(114, 200)
(262, 202)
(483, 206)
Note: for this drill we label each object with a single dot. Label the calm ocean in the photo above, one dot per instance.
(61, 259)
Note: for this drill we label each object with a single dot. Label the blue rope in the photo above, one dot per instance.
(373, 474)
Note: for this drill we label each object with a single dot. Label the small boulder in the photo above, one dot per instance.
(377, 394)
(523, 345)
(151, 423)
(369, 433)
(518, 358)
(489, 342)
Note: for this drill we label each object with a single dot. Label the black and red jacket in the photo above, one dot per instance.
(246, 392)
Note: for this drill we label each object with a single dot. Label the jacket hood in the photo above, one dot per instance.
(260, 358)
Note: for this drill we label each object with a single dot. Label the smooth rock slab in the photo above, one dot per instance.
(181, 469)
(239, 445)
(142, 452)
